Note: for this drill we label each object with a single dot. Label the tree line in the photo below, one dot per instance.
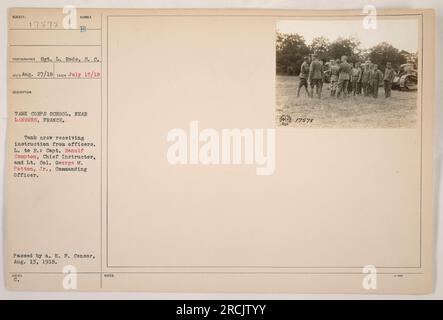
(291, 48)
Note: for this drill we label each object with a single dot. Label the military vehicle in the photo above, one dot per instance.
(406, 79)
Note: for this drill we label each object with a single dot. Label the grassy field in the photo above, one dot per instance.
(399, 111)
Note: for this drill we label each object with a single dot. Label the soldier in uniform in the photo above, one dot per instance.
(316, 76)
(334, 77)
(365, 77)
(371, 71)
(304, 74)
(387, 79)
(359, 85)
(376, 79)
(344, 75)
(355, 78)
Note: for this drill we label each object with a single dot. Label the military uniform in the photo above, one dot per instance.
(316, 77)
(355, 78)
(359, 83)
(387, 81)
(344, 76)
(376, 78)
(334, 79)
(365, 78)
(304, 74)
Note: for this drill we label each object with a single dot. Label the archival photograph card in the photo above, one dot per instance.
(248, 151)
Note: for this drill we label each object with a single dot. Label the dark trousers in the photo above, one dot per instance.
(375, 89)
(354, 87)
(318, 84)
(359, 86)
(387, 85)
(343, 87)
(365, 86)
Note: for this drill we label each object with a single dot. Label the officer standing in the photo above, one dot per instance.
(304, 74)
(344, 75)
(387, 79)
(316, 76)
(334, 76)
(355, 78)
(365, 77)
(376, 79)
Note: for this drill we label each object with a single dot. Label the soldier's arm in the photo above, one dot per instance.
(311, 69)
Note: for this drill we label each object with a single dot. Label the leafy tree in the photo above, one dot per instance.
(345, 47)
(291, 48)
(383, 53)
(320, 46)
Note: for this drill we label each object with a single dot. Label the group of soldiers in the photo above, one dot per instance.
(345, 78)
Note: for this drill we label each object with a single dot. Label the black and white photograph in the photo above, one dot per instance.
(240, 151)
(347, 73)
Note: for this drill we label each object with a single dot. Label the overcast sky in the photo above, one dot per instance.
(402, 34)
